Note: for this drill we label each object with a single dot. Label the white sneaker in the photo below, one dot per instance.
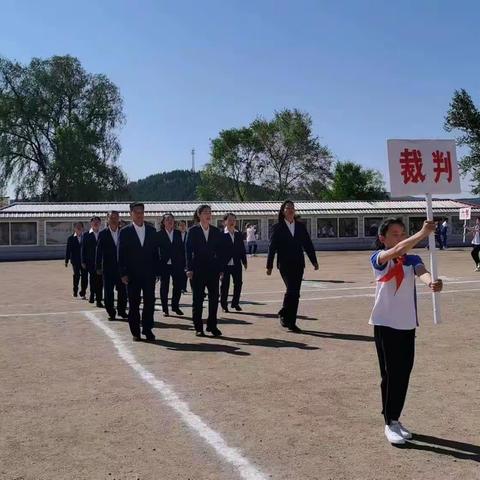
(404, 432)
(392, 432)
(477, 268)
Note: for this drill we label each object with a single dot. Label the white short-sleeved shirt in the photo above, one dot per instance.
(476, 235)
(251, 234)
(395, 308)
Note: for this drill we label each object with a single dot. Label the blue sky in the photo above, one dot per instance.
(365, 70)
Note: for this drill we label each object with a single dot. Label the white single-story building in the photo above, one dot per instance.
(30, 230)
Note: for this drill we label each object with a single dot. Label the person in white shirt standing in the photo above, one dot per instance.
(252, 239)
(476, 244)
(394, 316)
(172, 263)
(107, 266)
(235, 257)
(139, 266)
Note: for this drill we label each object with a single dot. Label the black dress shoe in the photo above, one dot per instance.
(136, 338)
(149, 336)
(91, 300)
(238, 308)
(123, 315)
(283, 322)
(225, 310)
(294, 329)
(177, 311)
(75, 294)
(166, 314)
(215, 332)
(199, 334)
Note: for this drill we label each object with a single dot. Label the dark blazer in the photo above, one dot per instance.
(135, 261)
(203, 256)
(174, 251)
(89, 250)
(290, 249)
(106, 258)
(235, 249)
(73, 252)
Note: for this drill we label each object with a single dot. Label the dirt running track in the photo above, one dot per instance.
(80, 400)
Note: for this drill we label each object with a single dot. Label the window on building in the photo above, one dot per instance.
(371, 226)
(4, 233)
(56, 233)
(243, 224)
(24, 233)
(327, 227)
(348, 227)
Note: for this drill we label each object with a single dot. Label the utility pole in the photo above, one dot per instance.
(193, 160)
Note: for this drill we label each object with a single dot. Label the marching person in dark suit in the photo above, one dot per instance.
(289, 240)
(182, 226)
(235, 257)
(89, 251)
(139, 266)
(172, 263)
(204, 251)
(107, 265)
(73, 255)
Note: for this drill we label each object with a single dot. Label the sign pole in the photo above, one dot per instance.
(433, 261)
(464, 230)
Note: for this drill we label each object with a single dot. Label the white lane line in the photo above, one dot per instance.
(339, 289)
(338, 297)
(39, 314)
(246, 470)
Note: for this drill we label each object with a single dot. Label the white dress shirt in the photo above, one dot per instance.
(170, 236)
(95, 233)
(232, 236)
(140, 232)
(291, 227)
(114, 235)
(206, 232)
(79, 237)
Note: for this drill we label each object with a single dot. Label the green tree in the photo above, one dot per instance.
(292, 161)
(464, 117)
(353, 182)
(233, 166)
(58, 131)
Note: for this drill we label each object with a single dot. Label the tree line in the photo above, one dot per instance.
(59, 125)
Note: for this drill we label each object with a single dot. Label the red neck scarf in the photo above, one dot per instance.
(395, 272)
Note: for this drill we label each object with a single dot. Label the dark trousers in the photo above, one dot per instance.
(476, 254)
(80, 275)
(96, 287)
(293, 281)
(252, 248)
(396, 352)
(110, 283)
(443, 237)
(234, 271)
(200, 281)
(176, 275)
(135, 288)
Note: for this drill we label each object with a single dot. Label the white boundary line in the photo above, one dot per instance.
(246, 470)
(39, 314)
(316, 290)
(338, 297)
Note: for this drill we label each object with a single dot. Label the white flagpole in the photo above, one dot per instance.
(433, 262)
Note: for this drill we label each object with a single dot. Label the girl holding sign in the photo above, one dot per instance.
(394, 316)
(476, 244)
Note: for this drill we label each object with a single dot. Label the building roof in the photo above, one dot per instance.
(270, 208)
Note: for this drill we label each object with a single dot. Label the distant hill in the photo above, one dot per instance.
(176, 185)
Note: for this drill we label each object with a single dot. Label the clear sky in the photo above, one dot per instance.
(365, 70)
